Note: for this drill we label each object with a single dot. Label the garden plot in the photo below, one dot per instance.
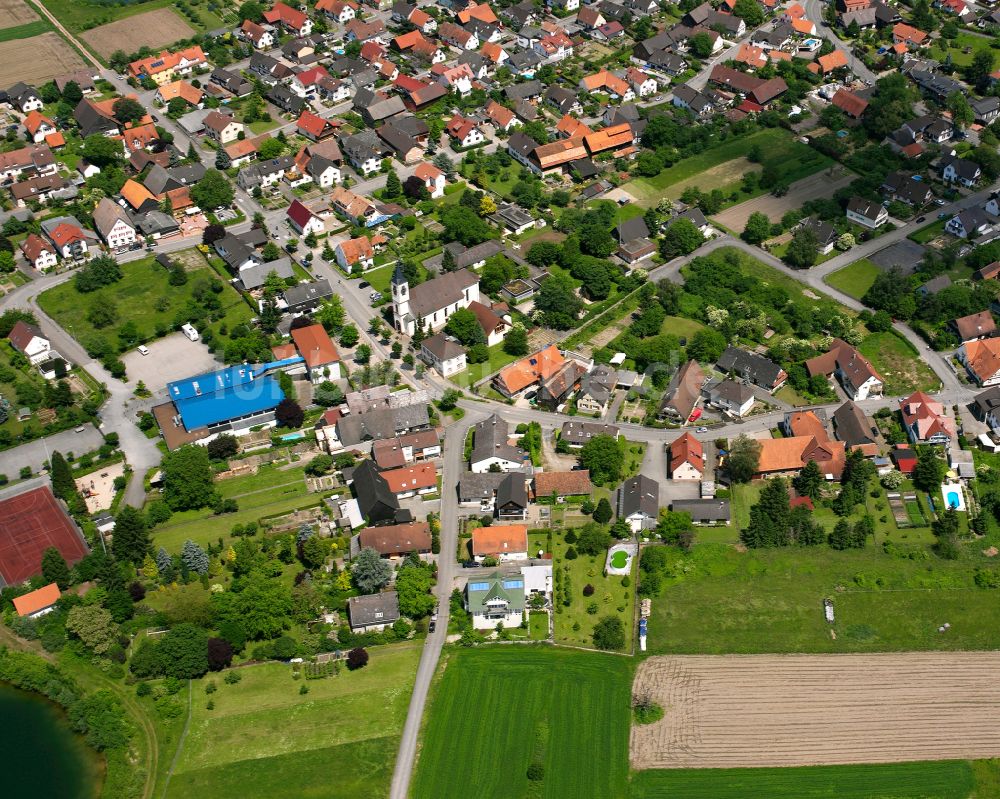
(797, 710)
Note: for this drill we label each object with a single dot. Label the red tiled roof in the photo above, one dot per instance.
(411, 478)
(499, 539)
(315, 346)
(37, 600)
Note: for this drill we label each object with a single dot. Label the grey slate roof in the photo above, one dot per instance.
(366, 611)
(639, 494)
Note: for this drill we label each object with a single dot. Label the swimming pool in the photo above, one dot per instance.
(954, 497)
(293, 436)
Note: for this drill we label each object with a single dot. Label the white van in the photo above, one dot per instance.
(143, 349)
(190, 332)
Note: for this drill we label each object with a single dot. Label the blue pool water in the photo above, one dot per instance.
(953, 499)
(293, 436)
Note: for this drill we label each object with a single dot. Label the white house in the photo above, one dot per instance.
(444, 354)
(28, 340)
(374, 612)
(40, 254)
(982, 360)
(222, 128)
(492, 449)
(304, 220)
(114, 225)
(501, 542)
(432, 177)
(465, 132)
(868, 213)
(960, 170)
(495, 599)
(687, 458)
(638, 502)
(732, 397)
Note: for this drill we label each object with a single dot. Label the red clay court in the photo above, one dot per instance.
(30, 523)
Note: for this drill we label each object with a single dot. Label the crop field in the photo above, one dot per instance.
(946, 779)
(496, 711)
(151, 29)
(804, 710)
(14, 13)
(264, 739)
(813, 187)
(37, 59)
(771, 601)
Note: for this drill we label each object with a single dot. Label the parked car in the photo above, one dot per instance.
(143, 349)
(921, 218)
(375, 296)
(363, 284)
(702, 430)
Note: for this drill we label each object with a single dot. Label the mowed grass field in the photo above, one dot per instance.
(263, 739)
(723, 166)
(772, 601)
(856, 279)
(497, 710)
(949, 779)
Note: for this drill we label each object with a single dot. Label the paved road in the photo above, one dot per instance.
(814, 11)
(35, 453)
(447, 569)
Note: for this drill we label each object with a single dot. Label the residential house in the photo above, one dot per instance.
(443, 353)
(494, 326)
(396, 541)
(906, 188)
(638, 502)
(306, 84)
(28, 340)
(432, 178)
(787, 456)
(222, 128)
(576, 433)
(536, 368)
(291, 20)
(464, 132)
(303, 298)
(575, 483)
(732, 397)
(318, 351)
(981, 358)
(960, 170)
(304, 219)
(752, 368)
(855, 373)
(342, 11)
(683, 393)
(925, 420)
(38, 126)
(495, 600)
(314, 127)
(974, 326)
(850, 103)
(373, 612)
(166, 66)
(500, 542)
(39, 253)
(25, 98)
(356, 254)
(687, 458)
(853, 427)
(492, 449)
(986, 407)
(868, 213)
(68, 237)
(703, 511)
(596, 389)
(511, 502)
(113, 225)
(259, 36)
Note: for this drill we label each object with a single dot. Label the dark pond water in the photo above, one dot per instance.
(40, 757)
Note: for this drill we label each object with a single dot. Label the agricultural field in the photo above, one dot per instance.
(156, 28)
(722, 167)
(496, 711)
(83, 15)
(822, 184)
(15, 13)
(143, 296)
(946, 779)
(854, 280)
(37, 59)
(265, 739)
(816, 709)
(772, 601)
(899, 363)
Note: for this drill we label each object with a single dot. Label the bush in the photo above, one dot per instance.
(536, 772)
(571, 554)
(588, 590)
(357, 658)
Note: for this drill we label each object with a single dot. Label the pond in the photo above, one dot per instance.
(40, 756)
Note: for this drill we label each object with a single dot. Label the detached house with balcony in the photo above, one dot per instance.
(113, 225)
(855, 373)
(495, 599)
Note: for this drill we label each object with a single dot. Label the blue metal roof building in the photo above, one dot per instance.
(235, 392)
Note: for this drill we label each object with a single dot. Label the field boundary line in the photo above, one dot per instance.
(180, 743)
(61, 29)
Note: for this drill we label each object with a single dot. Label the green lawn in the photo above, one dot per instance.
(477, 371)
(610, 596)
(793, 160)
(949, 779)
(680, 326)
(771, 601)
(144, 296)
(497, 710)
(899, 363)
(856, 279)
(264, 739)
(964, 41)
(25, 31)
(538, 625)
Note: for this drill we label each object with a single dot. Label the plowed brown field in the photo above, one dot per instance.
(797, 710)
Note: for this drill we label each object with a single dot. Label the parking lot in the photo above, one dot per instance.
(170, 358)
